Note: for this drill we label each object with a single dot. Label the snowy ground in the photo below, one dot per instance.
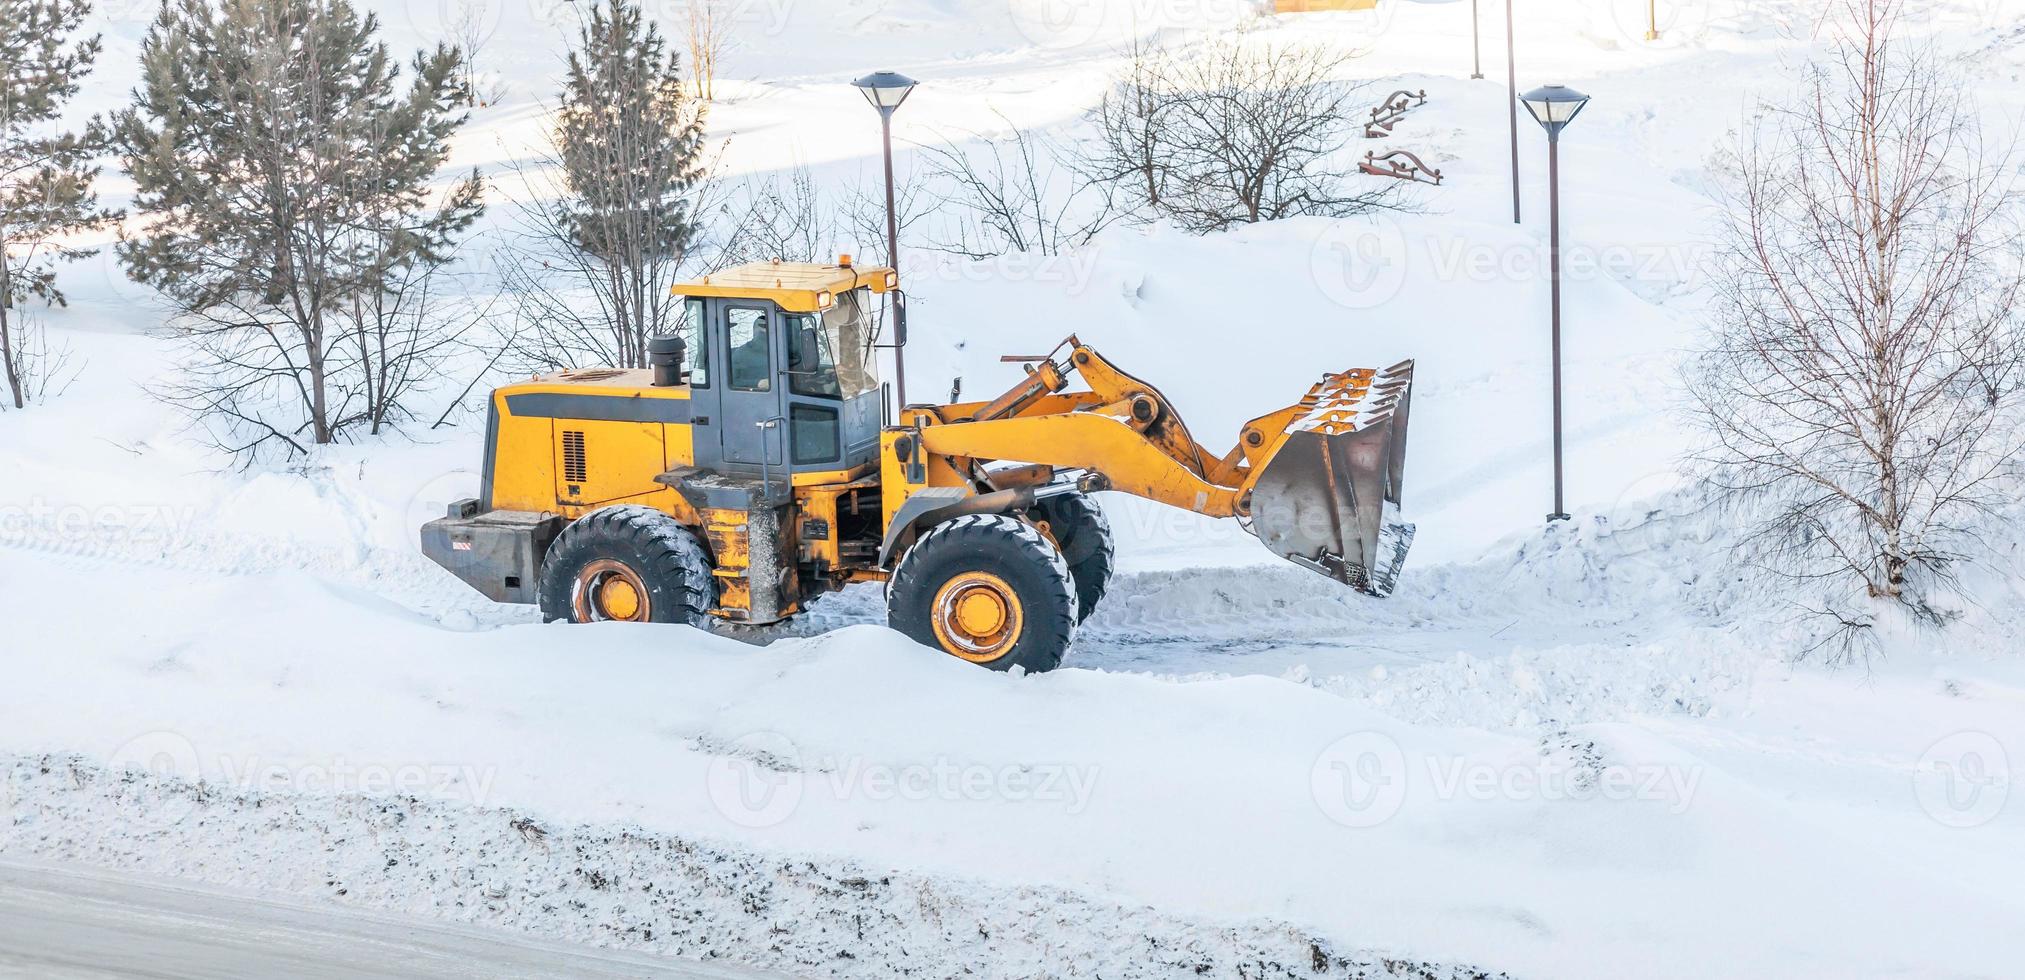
(1585, 751)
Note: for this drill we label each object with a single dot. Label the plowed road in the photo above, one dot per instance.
(61, 923)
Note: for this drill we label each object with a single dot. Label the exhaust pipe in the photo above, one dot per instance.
(664, 355)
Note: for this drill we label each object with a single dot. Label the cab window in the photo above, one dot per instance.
(689, 327)
(751, 368)
(812, 359)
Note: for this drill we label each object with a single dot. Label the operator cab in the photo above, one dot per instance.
(782, 367)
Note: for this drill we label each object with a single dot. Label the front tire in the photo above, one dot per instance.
(986, 588)
(626, 564)
(1078, 526)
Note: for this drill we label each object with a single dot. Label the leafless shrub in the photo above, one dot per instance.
(1860, 384)
(710, 31)
(1236, 132)
(777, 216)
(472, 29)
(1129, 149)
(864, 209)
(1016, 193)
(41, 366)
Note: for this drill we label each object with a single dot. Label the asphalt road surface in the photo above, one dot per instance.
(62, 923)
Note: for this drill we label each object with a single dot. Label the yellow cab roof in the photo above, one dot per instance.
(799, 287)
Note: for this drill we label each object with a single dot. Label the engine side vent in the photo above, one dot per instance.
(575, 469)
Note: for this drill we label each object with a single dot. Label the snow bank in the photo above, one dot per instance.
(630, 888)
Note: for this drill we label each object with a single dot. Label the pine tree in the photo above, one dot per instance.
(286, 169)
(46, 172)
(630, 143)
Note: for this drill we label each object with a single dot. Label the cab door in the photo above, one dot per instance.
(752, 400)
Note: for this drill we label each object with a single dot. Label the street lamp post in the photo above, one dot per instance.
(1512, 83)
(1476, 44)
(1555, 106)
(886, 90)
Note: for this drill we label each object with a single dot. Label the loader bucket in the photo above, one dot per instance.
(1329, 497)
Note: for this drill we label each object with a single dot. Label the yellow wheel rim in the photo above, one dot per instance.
(608, 590)
(977, 616)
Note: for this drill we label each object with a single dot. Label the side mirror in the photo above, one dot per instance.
(899, 319)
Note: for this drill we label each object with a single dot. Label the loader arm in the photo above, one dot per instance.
(1317, 481)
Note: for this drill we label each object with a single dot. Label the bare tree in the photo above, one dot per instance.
(403, 333)
(594, 259)
(709, 35)
(778, 216)
(46, 175)
(286, 178)
(1128, 152)
(864, 209)
(1237, 132)
(1861, 378)
(1014, 194)
(472, 29)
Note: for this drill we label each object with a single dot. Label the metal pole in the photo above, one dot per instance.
(1476, 44)
(1512, 82)
(895, 310)
(1554, 266)
(1652, 20)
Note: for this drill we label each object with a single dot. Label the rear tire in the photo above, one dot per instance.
(630, 564)
(986, 588)
(1078, 526)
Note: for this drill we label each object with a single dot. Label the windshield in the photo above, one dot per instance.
(831, 354)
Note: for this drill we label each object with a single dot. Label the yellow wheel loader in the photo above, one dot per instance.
(753, 468)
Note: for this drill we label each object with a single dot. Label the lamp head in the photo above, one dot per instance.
(1554, 106)
(885, 90)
